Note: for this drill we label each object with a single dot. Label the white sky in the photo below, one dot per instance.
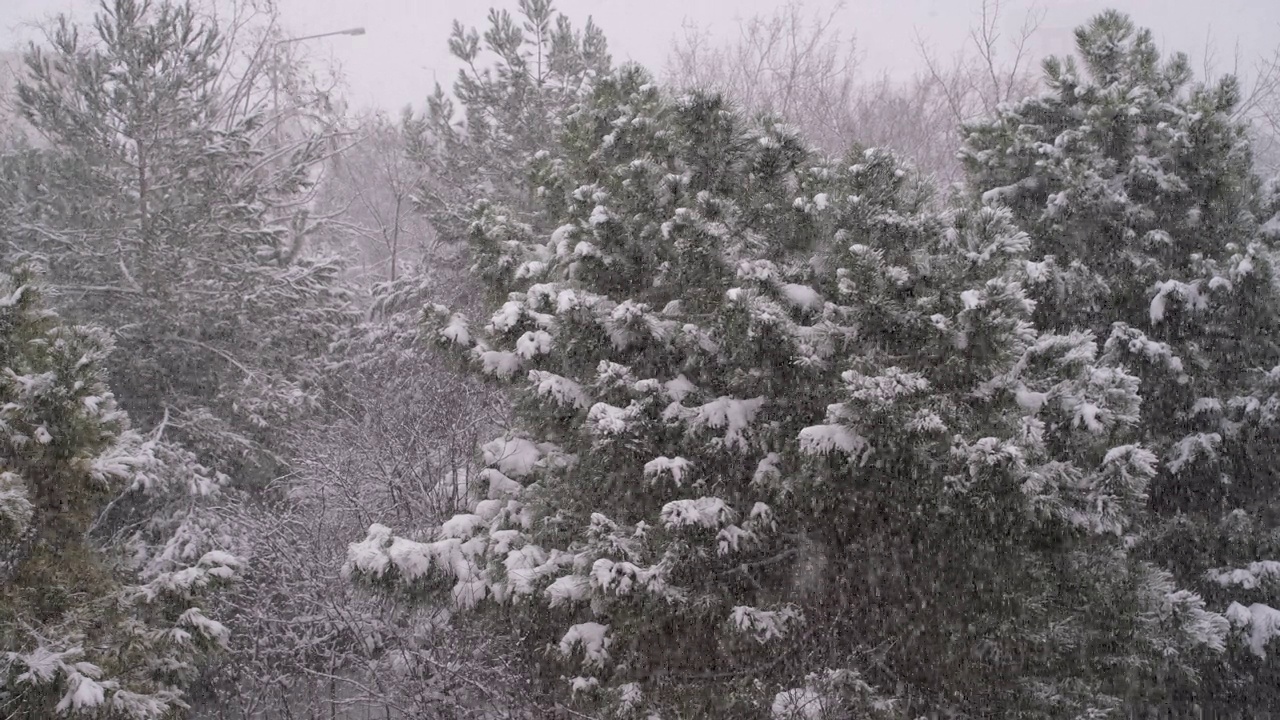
(392, 64)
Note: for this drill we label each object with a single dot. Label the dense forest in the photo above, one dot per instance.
(738, 388)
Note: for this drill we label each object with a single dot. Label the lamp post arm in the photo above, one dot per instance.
(275, 91)
(351, 31)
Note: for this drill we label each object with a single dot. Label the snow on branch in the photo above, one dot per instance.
(663, 465)
(1250, 577)
(592, 638)
(766, 625)
(1262, 621)
(826, 439)
(707, 512)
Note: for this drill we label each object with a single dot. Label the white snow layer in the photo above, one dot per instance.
(532, 343)
(83, 694)
(824, 439)
(798, 704)
(708, 512)
(764, 625)
(1263, 622)
(663, 465)
(801, 296)
(567, 589)
(592, 638)
(559, 388)
(732, 414)
(515, 457)
(500, 362)
(1248, 577)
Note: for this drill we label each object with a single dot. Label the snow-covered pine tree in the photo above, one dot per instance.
(506, 111)
(76, 641)
(1148, 227)
(398, 427)
(788, 445)
(166, 210)
(171, 216)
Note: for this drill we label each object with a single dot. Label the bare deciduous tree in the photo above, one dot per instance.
(1259, 101)
(804, 69)
(791, 64)
(397, 446)
(374, 183)
(979, 78)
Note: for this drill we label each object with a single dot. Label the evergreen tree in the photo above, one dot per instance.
(168, 215)
(1149, 227)
(77, 640)
(505, 111)
(788, 444)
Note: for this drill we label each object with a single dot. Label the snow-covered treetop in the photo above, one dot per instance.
(519, 82)
(1135, 183)
(1147, 226)
(159, 160)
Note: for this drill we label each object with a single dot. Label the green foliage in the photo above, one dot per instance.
(167, 208)
(784, 436)
(166, 214)
(1149, 227)
(508, 110)
(77, 639)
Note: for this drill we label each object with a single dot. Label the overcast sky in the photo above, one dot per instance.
(393, 63)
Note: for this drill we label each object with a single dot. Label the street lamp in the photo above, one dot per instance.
(349, 31)
(275, 65)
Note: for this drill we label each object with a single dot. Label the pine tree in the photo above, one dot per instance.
(170, 216)
(787, 443)
(170, 207)
(77, 640)
(504, 112)
(1149, 227)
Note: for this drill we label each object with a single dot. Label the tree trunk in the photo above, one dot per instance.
(395, 238)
